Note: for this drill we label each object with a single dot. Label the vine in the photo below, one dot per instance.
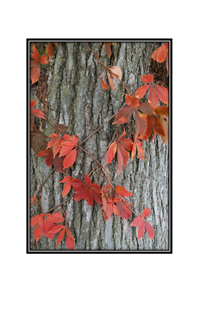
(62, 149)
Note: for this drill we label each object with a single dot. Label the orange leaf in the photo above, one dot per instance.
(147, 78)
(69, 159)
(44, 60)
(141, 123)
(141, 91)
(33, 103)
(104, 84)
(122, 191)
(35, 73)
(35, 55)
(123, 115)
(161, 53)
(49, 50)
(111, 152)
(69, 240)
(131, 101)
(60, 237)
(67, 187)
(153, 97)
(38, 113)
(56, 217)
(162, 93)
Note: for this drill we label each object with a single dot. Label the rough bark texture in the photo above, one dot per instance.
(69, 96)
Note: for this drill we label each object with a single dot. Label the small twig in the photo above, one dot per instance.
(59, 205)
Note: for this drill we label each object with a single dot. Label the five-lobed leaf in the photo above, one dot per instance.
(143, 224)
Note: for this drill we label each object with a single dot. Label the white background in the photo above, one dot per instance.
(100, 286)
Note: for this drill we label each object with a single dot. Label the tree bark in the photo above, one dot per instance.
(69, 90)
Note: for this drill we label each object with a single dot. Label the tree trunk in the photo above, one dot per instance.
(69, 90)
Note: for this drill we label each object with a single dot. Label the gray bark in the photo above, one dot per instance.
(70, 76)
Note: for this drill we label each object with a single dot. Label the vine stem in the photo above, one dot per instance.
(44, 183)
(60, 204)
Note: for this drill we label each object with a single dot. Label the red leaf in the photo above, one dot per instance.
(122, 191)
(47, 226)
(104, 84)
(106, 208)
(141, 230)
(150, 230)
(126, 143)
(36, 219)
(48, 154)
(122, 153)
(67, 187)
(88, 191)
(56, 217)
(60, 237)
(87, 179)
(69, 240)
(139, 221)
(146, 212)
(33, 103)
(38, 113)
(124, 211)
(136, 222)
(49, 50)
(111, 152)
(38, 232)
(69, 159)
(141, 91)
(56, 229)
(147, 78)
